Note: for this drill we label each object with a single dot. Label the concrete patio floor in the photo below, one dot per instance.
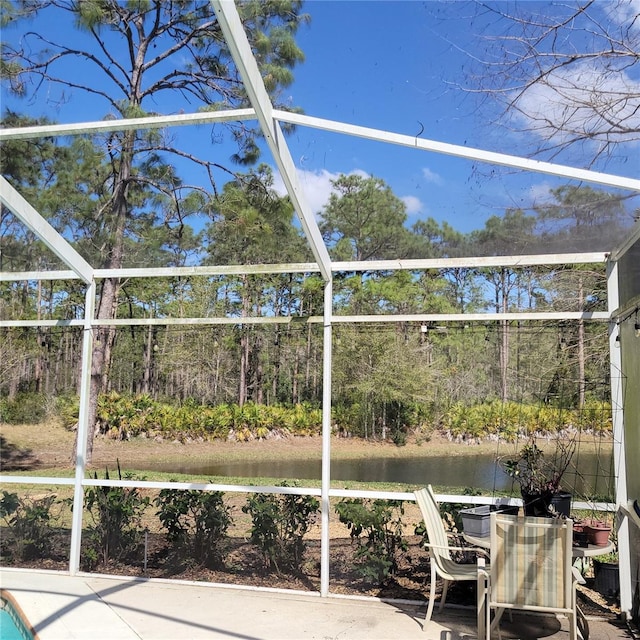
(61, 607)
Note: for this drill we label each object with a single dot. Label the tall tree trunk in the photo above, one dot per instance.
(245, 348)
(148, 361)
(296, 372)
(582, 382)
(307, 372)
(258, 393)
(37, 374)
(504, 342)
(244, 366)
(104, 337)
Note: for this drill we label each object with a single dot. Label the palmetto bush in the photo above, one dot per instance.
(508, 420)
(124, 417)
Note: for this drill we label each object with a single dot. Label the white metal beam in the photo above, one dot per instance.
(471, 262)
(125, 124)
(20, 276)
(619, 450)
(549, 316)
(312, 267)
(327, 367)
(236, 39)
(458, 150)
(34, 221)
(601, 316)
(209, 270)
(83, 429)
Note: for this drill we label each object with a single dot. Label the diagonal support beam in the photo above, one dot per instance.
(126, 124)
(238, 43)
(445, 148)
(34, 221)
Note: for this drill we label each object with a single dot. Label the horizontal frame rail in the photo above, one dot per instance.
(280, 490)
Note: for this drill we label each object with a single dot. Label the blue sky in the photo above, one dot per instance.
(402, 66)
(394, 65)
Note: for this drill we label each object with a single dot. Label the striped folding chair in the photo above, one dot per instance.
(531, 570)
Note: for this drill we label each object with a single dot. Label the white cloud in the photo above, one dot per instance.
(624, 12)
(413, 204)
(584, 99)
(316, 186)
(432, 177)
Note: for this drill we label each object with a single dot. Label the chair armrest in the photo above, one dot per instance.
(478, 550)
(483, 574)
(577, 576)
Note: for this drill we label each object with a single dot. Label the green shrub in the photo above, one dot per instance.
(196, 523)
(116, 521)
(25, 408)
(381, 523)
(29, 523)
(596, 416)
(68, 409)
(508, 420)
(124, 417)
(279, 523)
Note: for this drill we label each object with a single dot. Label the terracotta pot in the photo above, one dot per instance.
(598, 533)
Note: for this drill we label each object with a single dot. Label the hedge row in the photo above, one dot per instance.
(129, 416)
(507, 420)
(126, 416)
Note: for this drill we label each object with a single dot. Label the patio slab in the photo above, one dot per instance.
(61, 607)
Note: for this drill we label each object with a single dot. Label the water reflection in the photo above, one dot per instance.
(590, 475)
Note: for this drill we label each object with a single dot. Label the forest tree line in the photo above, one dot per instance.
(384, 375)
(130, 199)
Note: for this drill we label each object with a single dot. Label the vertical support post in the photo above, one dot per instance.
(619, 454)
(326, 436)
(83, 428)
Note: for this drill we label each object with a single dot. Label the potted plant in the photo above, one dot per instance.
(606, 572)
(598, 532)
(539, 475)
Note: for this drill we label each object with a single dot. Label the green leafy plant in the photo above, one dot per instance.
(381, 523)
(67, 409)
(123, 417)
(611, 558)
(29, 523)
(196, 523)
(116, 520)
(279, 523)
(509, 420)
(25, 408)
(537, 472)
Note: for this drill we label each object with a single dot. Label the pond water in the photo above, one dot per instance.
(590, 475)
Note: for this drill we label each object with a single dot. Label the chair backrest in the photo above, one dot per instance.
(433, 522)
(531, 562)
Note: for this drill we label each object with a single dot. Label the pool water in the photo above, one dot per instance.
(12, 627)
